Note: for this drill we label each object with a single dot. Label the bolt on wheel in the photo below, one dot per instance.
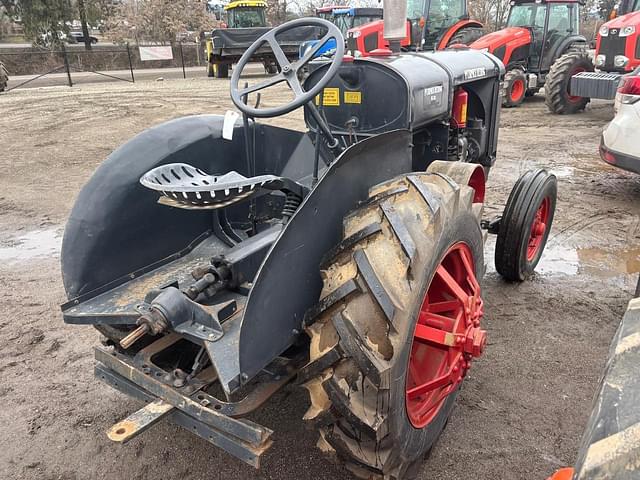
(446, 335)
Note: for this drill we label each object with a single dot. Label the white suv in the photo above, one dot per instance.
(620, 144)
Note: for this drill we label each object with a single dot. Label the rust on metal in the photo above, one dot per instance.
(139, 421)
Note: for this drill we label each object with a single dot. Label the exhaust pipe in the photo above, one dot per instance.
(395, 22)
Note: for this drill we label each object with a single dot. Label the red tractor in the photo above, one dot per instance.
(540, 46)
(431, 25)
(617, 54)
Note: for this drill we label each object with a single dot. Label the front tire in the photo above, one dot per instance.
(525, 225)
(558, 80)
(515, 88)
(376, 347)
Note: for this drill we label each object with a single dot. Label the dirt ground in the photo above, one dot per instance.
(522, 408)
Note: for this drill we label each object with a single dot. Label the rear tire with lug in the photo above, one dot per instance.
(525, 224)
(397, 324)
(558, 80)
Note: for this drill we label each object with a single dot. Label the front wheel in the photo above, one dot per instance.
(515, 88)
(397, 325)
(525, 224)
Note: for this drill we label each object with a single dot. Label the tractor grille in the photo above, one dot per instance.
(611, 46)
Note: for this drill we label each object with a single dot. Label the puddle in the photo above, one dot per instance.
(596, 262)
(591, 261)
(563, 171)
(558, 259)
(35, 244)
(599, 262)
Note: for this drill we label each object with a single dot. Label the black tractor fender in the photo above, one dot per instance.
(288, 282)
(116, 226)
(567, 44)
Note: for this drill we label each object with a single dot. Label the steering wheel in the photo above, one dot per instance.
(288, 70)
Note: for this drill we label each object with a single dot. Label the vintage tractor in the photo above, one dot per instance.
(540, 46)
(223, 259)
(617, 54)
(430, 25)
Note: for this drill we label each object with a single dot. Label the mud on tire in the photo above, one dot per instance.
(362, 330)
(556, 87)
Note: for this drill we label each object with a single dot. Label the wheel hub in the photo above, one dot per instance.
(447, 336)
(538, 229)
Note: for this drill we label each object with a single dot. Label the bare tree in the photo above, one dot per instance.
(157, 20)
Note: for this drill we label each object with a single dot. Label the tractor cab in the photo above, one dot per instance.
(246, 14)
(541, 39)
(534, 35)
(431, 25)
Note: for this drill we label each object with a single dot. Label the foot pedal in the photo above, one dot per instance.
(189, 187)
(139, 421)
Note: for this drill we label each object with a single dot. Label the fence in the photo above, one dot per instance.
(100, 60)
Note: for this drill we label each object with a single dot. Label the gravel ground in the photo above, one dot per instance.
(522, 408)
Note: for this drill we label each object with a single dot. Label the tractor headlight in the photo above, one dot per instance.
(356, 34)
(600, 60)
(604, 31)
(626, 31)
(620, 60)
(484, 49)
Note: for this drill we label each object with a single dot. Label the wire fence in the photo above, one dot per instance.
(103, 60)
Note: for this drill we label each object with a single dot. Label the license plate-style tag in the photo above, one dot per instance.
(229, 122)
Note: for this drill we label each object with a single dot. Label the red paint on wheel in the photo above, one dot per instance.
(538, 229)
(447, 335)
(517, 90)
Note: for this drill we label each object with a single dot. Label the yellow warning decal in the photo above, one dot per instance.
(353, 97)
(331, 97)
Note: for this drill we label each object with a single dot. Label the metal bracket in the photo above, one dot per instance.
(491, 226)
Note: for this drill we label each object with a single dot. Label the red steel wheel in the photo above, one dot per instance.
(398, 324)
(538, 229)
(446, 336)
(525, 224)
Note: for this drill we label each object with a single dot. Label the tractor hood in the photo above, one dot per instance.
(629, 19)
(494, 40)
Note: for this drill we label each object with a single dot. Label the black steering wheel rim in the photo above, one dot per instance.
(288, 70)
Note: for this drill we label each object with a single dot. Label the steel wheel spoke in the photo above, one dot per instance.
(452, 284)
(434, 336)
(434, 384)
(436, 321)
(470, 271)
(445, 306)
